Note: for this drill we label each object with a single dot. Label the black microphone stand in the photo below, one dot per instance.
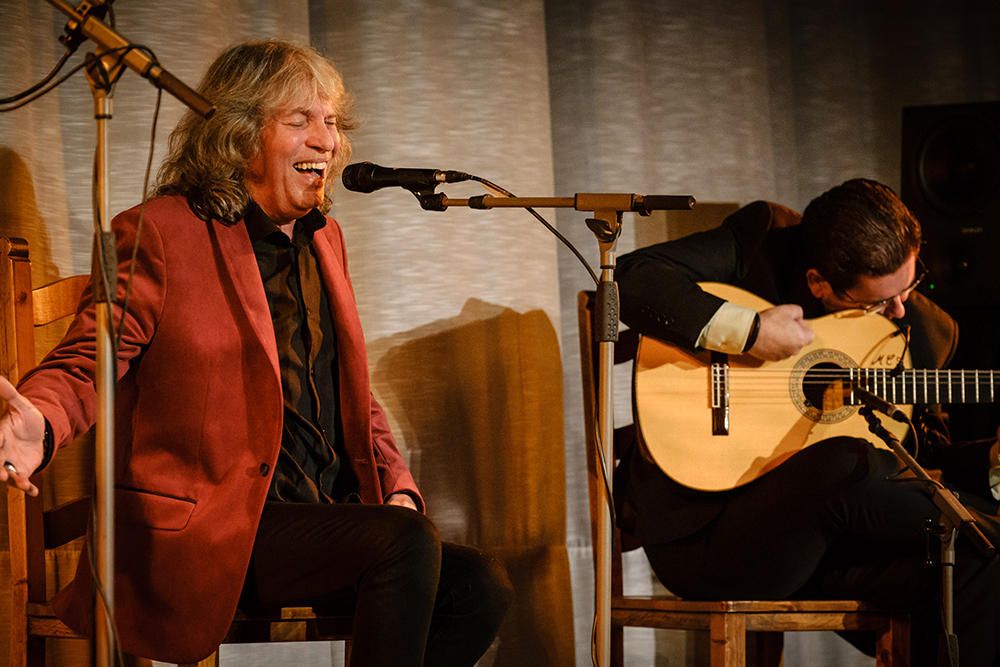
(606, 222)
(954, 517)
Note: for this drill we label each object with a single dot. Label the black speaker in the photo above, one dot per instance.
(951, 182)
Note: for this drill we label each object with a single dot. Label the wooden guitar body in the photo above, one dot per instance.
(716, 422)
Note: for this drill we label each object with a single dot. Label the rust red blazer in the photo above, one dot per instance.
(198, 422)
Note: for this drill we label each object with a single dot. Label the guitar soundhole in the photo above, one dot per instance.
(817, 386)
(823, 387)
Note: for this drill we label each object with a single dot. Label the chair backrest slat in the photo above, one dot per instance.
(17, 343)
(23, 311)
(57, 300)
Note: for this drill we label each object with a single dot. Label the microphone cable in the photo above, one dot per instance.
(48, 77)
(507, 193)
(43, 87)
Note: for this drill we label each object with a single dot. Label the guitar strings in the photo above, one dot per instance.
(964, 386)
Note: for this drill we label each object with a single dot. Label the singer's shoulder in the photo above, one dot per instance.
(332, 228)
(174, 209)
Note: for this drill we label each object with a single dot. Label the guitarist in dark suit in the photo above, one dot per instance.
(830, 522)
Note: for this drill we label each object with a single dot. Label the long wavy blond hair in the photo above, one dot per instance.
(248, 83)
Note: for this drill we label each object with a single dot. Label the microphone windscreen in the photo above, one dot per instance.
(359, 177)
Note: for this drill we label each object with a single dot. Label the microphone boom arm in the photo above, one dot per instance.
(134, 58)
(945, 500)
(582, 201)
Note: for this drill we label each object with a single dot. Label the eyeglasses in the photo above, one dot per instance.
(879, 306)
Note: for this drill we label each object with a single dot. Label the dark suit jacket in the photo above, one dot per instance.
(757, 248)
(198, 422)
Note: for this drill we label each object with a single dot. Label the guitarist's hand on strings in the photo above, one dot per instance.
(783, 332)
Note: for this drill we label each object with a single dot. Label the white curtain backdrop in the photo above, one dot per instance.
(470, 315)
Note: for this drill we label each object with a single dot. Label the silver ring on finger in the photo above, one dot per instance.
(10, 467)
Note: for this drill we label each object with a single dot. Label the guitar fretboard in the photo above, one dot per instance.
(915, 386)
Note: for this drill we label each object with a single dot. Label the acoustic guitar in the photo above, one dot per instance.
(713, 421)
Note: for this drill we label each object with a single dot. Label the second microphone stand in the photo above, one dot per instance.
(954, 517)
(606, 225)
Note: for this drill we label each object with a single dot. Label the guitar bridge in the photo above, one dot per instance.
(720, 394)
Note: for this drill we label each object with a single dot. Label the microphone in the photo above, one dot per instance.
(368, 177)
(876, 403)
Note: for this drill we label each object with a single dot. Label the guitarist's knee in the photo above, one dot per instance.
(841, 460)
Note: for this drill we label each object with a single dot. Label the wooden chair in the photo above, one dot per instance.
(728, 622)
(33, 530)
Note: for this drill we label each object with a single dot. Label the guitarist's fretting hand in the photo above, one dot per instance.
(782, 333)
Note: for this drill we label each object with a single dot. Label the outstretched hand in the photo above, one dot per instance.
(22, 431)
(783, 333)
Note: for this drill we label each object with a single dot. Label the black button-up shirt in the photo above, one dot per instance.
(309, 465)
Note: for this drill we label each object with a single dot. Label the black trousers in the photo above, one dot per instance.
(415, 600)
(833, 523)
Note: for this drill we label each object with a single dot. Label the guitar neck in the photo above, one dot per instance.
(916, 386)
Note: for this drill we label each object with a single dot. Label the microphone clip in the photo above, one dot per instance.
(430, 200)
(74, 37)
(870, 401)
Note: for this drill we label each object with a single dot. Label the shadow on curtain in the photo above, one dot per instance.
(478, 400)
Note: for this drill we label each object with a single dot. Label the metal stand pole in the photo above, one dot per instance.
(948, 590)
(104, 274)
(606, 226)
(113, 55)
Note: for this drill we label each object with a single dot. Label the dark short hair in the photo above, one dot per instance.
(248, 83)
(858, 228)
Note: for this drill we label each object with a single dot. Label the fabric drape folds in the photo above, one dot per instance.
(470, 315)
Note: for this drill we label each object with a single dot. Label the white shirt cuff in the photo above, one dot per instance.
(728, 329)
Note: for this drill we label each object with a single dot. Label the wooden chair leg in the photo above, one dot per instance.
(210, 661)
(23, 650)
(892, 647)
(617, 646)
(728, 635)
(765, 649)
(30, 653)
